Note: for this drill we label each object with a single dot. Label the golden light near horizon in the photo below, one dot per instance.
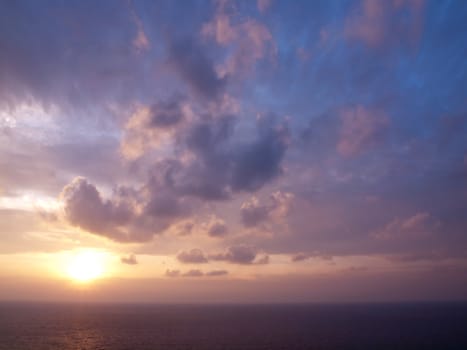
(86, 266)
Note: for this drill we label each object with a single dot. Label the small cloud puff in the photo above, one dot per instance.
(240, 254)
(217, 227)
(253, 213)
(305, 256)
(193, 256)
(195, 273)
(129, 260)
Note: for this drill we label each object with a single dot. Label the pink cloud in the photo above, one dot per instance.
(249, 40)
(253, 213)
(375, 23)
(361, 128)
(417, 226)
(141, 41)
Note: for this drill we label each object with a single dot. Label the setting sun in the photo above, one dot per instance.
(86, 266)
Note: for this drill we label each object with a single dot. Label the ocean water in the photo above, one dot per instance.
(311, 326)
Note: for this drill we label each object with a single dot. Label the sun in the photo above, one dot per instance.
(86, 266)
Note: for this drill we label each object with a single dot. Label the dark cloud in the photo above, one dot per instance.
(253, 213)
(85, 208)
(259, 162)
(217, 228)
(305, 256)
(165, 206)
(224, 165)
(217, 273)
(189, 60)
(220, 167)
(129, 260)
(300, 257)
(193, 273)
(208, 176)
(166, 114)
(119, 218)
(238, 254)
(185, 228)
(193, 256)
(264, 260)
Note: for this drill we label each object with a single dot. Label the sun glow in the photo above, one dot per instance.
(86, 266)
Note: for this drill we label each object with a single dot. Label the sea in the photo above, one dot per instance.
(76, 326)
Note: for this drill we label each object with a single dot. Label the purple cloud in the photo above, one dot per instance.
(129, 260)
(240, 254)
(253, 213)
(217, 273)
(193, 273)
(193, 256)
(361, 128)
(195, 68)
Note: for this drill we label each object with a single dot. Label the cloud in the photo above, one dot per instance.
(379, 23)
(361, 129)
(259, 162)
(217, 227)
(263, 260)
(193, 256)
(150, 127)
(165, 114)
(141, 41)
(193, 273)
(184, 228)
(215, 165)
(165, 206)
(253, 213)
(417, 226)
(239, 254)
(217, 273)
(300, 257)
(305, 256)
(131, 215)
(172, 273)
(219, 163)
(129, 260)
(195, 68)
(85, 208)
(248, 40)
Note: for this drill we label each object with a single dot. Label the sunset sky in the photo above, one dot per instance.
(233, 151)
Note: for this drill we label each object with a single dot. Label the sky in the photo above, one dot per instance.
(233, 151)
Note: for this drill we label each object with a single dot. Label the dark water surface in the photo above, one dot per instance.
(311, 326)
